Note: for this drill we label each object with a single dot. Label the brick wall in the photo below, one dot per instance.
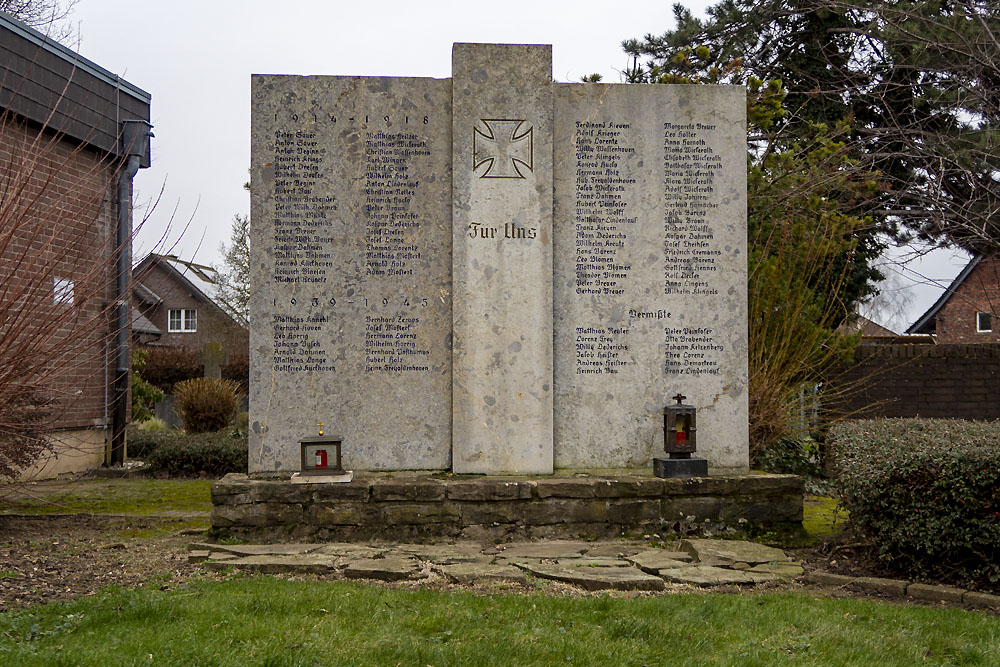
(57, 220)
(941, 381)
(979, 292)
(214, 325)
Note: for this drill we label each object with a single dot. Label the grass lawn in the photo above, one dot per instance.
(266, 621)
(142, 497)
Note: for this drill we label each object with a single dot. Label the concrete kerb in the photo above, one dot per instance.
(902, 588)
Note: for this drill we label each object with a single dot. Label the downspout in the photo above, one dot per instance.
(135, 143)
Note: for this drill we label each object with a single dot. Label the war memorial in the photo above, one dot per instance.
(487, 289)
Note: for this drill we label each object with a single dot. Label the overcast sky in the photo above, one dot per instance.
(196, 58)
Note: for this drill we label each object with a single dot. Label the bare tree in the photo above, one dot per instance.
(46, 16)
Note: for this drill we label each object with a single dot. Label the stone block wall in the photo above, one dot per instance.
(497, 508)
(933, 381)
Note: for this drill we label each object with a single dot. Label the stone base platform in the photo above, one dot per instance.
(416, 506)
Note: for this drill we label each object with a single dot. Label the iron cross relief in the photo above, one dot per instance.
(504, 148)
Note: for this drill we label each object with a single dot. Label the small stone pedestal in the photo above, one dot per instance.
(689, 467)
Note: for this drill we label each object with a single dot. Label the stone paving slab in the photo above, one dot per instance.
(587, 561)
(554, 549)
(783, 570)
(596, 578)
(727, 552)
(390, 568)
(654, 560)
(481, 573)
(256, 549)
(354, 550)
(707, 575)
(277, 564)
(446, 554)
(614, 550)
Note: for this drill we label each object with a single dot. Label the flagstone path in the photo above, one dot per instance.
(591, 566)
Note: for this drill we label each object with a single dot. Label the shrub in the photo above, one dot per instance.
(211, 454)
(144, 394)
(926, 492)
(166, 366)
(177, 454)
(206, 404)
(142, 442)
(238, 370)
(153, 424)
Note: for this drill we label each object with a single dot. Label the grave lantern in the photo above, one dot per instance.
(679, 428)
(321, 454)
(680, 439)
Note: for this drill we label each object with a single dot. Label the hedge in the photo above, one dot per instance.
(926, 492)
(178, 454)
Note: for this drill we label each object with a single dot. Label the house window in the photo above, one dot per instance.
(984, 322)
(182, 320)
(62, 291)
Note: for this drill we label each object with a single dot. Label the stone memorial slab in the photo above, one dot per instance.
(351, 269)
(494, 273)
(649, 270)
(502, 161)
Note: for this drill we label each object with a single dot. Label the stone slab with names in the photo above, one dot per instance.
(494, 273)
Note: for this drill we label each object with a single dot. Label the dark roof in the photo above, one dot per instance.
(57, 88)
(145, 295)
(925, 323)
(201, 281)
(142, 325)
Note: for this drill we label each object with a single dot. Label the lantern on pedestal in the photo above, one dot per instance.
(680, 439)
(321, 459)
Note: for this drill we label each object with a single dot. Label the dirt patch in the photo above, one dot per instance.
(48, 558)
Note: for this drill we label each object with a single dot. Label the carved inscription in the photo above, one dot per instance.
(304, 244)
(302, 218)
(690, 166)
(604, 215)
(390, 185)
(605, 222)
(505, 147)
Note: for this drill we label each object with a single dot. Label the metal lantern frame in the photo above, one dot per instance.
(680, 428)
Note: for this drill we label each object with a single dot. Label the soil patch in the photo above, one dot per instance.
(48, 558)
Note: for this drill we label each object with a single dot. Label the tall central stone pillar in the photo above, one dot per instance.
(502, 258)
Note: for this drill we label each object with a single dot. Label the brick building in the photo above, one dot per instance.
(180, 299)
(969, 310)
(72, 135)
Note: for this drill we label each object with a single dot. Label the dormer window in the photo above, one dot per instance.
(984, 322)
(182, 320)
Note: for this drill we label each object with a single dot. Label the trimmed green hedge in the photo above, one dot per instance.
(926, 492)
(178, 454)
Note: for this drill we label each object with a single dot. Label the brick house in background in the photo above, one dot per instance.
(180, 299)
(72, 136)
(969, 310)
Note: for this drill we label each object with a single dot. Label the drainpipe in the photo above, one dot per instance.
(135, 152)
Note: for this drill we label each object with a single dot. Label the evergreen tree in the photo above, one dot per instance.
(917, 82)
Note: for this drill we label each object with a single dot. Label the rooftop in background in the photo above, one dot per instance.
(54, 87)
(925, 323)
(203, 281)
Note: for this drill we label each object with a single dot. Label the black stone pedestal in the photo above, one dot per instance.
(692, 467)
